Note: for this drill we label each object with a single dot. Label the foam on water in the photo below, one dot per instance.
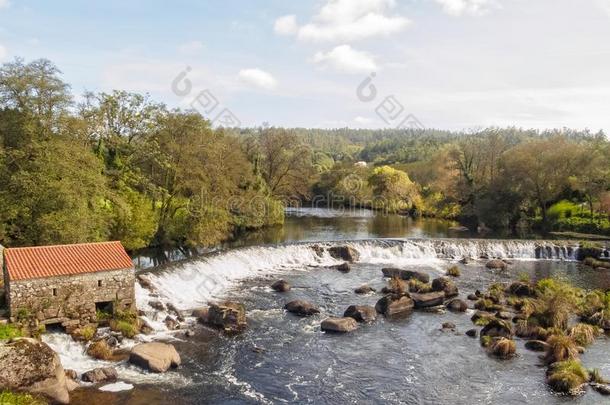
(194, 283)
(73, 357)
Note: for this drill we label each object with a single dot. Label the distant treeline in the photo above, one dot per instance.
(121, 166)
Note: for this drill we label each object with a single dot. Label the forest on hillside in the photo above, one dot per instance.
(121, 166)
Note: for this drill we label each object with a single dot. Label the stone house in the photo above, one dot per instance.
(67, 284)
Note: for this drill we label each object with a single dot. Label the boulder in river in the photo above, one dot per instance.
(521, 289)
(603, 389)
(457, 305)
(446, 285)
(155, 356)
(32, 366)
(364, 289)
(427, 300)
(343, 267)
(339, 325)
(405, 274)
(281, 286)
(361, 313)
(536, 345)
(347, 253)
(301, 308)
(472, 333)
(99, 375)
(496, 264)
(392, 306)
(202, 314)
(498, 328)
(228, 315)
(158, 305)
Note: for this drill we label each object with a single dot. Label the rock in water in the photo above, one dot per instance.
(361, 313)
(603, 389)
(301, 308)
(339, 325)
(281, 286)
(202, 314)
(457, 305)
(365, 289)
(521, 289)
(392, 307)
(229, 316)
(446, 285)
(428, 300)
(498, 328)
(98, 375)
(472, 333)
(405, 274)
(496, 264)
(32, 366)
(346, 253)
(343, 268)
(536, 345)
(156, 356)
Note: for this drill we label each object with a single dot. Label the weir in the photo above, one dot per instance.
(194, 282)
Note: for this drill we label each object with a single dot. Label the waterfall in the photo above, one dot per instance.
(194, 282)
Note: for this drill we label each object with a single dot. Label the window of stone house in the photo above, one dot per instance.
(55, 292)
(99, 283)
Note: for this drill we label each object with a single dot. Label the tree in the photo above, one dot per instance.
(393, 191)
(540, 169)
(35, 89)
(284, 162)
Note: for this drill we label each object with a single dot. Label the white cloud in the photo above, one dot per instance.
(605, 5)
(345, 21)
(346, 59)
(3, 53)
(257, 78)
(190, 47)
(462, 7)
(5, 3)
(286, 25)
(363, 120)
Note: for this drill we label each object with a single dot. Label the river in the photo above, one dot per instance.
(285, 359)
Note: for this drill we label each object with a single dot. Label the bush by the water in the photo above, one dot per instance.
(453, 271)
(567, 377)
(11, 398)
(9, 331)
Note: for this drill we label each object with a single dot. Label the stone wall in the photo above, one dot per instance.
(71, 298)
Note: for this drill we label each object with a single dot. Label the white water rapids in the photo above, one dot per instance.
(195, 282)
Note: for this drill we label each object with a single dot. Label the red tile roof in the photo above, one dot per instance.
(62, 260)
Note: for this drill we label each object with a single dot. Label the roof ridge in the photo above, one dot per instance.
(65, 245)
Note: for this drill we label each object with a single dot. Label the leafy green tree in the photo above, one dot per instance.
(393, 190)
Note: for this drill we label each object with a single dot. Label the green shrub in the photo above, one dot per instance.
(503, 348)
(561, 348)
(418, 286)
(9, 331)
(567, 377)
(11, 398)
(454, 271)
(583, 334)
(88, 332)
(127, 329)
(595, 376)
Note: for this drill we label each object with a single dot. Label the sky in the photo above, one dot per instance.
(448, 64)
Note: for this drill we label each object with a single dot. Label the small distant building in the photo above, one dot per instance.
(360, 164)
(68, 284)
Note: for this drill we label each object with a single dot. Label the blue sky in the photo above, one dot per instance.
(454, 64)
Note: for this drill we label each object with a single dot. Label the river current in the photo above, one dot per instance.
(285, 359)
